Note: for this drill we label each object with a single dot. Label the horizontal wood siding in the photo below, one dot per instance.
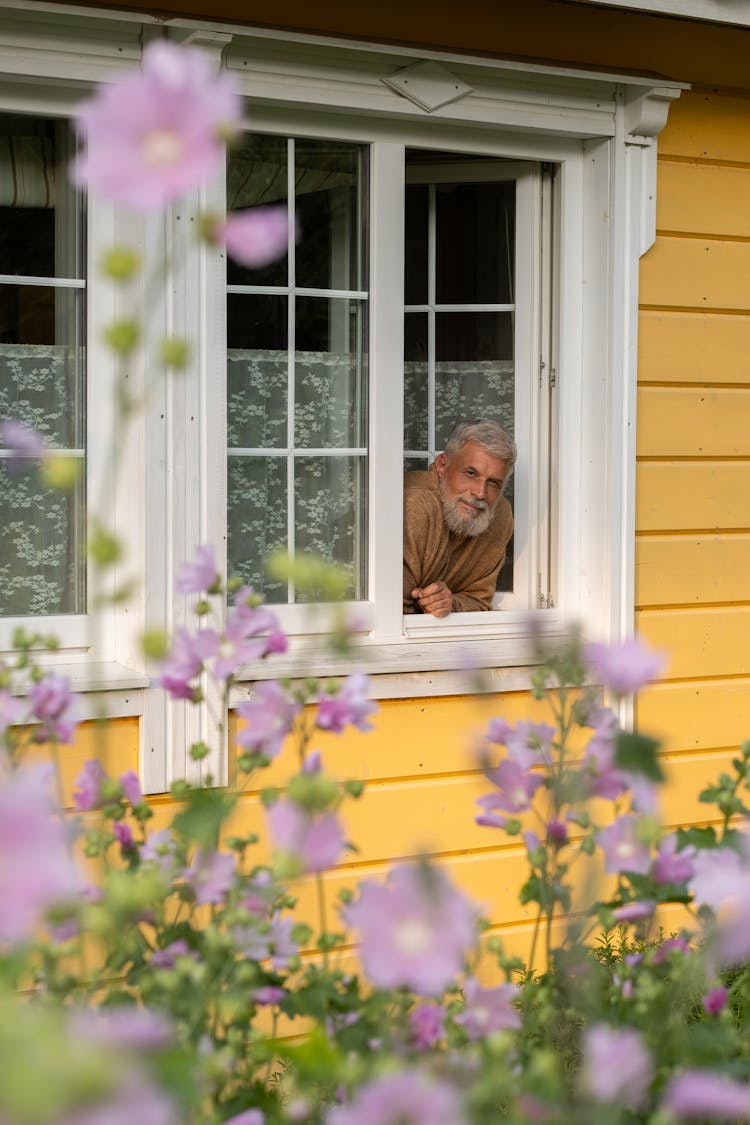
(693, 460)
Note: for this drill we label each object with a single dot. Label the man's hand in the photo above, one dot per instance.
(436, 599)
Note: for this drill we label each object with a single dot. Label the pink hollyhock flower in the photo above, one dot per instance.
(415, 929)
(623, 668)
(557, 833)
(671, 865)
(161, 850)
(166, 958)
(617, 1067)
(622, 849)
(159, 132)
(411, 1096)
(55, 708)
(184, 663)
(247, 1117)
(634, 911)
(21, 444)
(720, 878)
(131, 787)
(671, 945)
(269, 994)
(211, 876)
(198, 576)
(254, 237)
(124, 834)
(310, 842)
(125, 1026)
(703, 1094)
(269, 715)
(36, 869)
(88, 792)
(488, 1009)
(516, 787)
(530, 744)
(426, 1025)
(350, 706)
(714, 1001)
(135, 1098)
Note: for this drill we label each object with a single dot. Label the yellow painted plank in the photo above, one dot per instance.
(711, 715)
(693, 422)
(708, 126)
(412, 738)
(703, 199)
(695, 347)
(114, 743)
(688, 569)
(692, 495)
(696, 273)
(702, 643)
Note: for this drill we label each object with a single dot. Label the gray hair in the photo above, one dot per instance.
(490, 435)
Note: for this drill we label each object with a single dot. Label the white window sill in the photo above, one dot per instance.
(104, 689)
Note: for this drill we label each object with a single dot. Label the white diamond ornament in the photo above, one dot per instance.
(428, 85)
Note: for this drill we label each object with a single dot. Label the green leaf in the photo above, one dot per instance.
(638, 754)
(205, 812)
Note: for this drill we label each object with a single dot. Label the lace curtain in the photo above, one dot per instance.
(41, 568)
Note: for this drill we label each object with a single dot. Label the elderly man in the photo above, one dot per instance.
(457, 523)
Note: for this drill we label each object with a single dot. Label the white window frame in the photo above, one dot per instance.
(599, 131)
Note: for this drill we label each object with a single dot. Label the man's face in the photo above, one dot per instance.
(471, 483)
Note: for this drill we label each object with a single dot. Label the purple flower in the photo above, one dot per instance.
(623, 668)
(622, 849)
(21, 442)
(36, 869)
(55, 708)
(557, 833)
(270, 715)
(714, 1001)
(488, 1009)
(161, 850)
(254, 237)
(184, 663)
(165, 958)
(158, 132)
(617, 1066)
(131, 787)
(603, 779)
(88, 792)
(198, 576)
(241, 642)
(720, 878)
(124, 1026)
(411, 1097)
(350, 707)
(698, 1094)
(634, 911)
(671, 945)
(415, 929)
(671, 866)
(269, 994)
(211, 876)
(136, 1098)
(306, 841)
(124, 834)
(247, 1117)
(516, 787)
(531, 743)
(426, 1025)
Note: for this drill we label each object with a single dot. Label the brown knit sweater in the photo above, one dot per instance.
(468, 566)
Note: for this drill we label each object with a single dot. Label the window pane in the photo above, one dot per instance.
(42, 364)
(416, 389)
(330, 514)
(330, 410)
(257, 371)
(40, 560)
(257, 503)
(415, 258)
(475, 239)
(329, 211)
(257, 176)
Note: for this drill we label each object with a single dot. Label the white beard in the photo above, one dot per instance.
(468, 527)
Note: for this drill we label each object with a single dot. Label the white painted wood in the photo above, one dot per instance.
(733, 12)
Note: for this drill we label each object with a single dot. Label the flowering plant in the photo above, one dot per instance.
(192, 969)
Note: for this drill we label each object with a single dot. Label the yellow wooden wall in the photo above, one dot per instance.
(693, 469)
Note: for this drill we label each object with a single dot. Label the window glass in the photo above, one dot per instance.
(460, 311)
(42, 364)
(297, 366)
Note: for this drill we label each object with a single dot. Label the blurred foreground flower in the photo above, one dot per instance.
(411, 1097)
(158, 132)
(415, 929)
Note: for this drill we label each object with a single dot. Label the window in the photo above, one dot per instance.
(42, 366)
